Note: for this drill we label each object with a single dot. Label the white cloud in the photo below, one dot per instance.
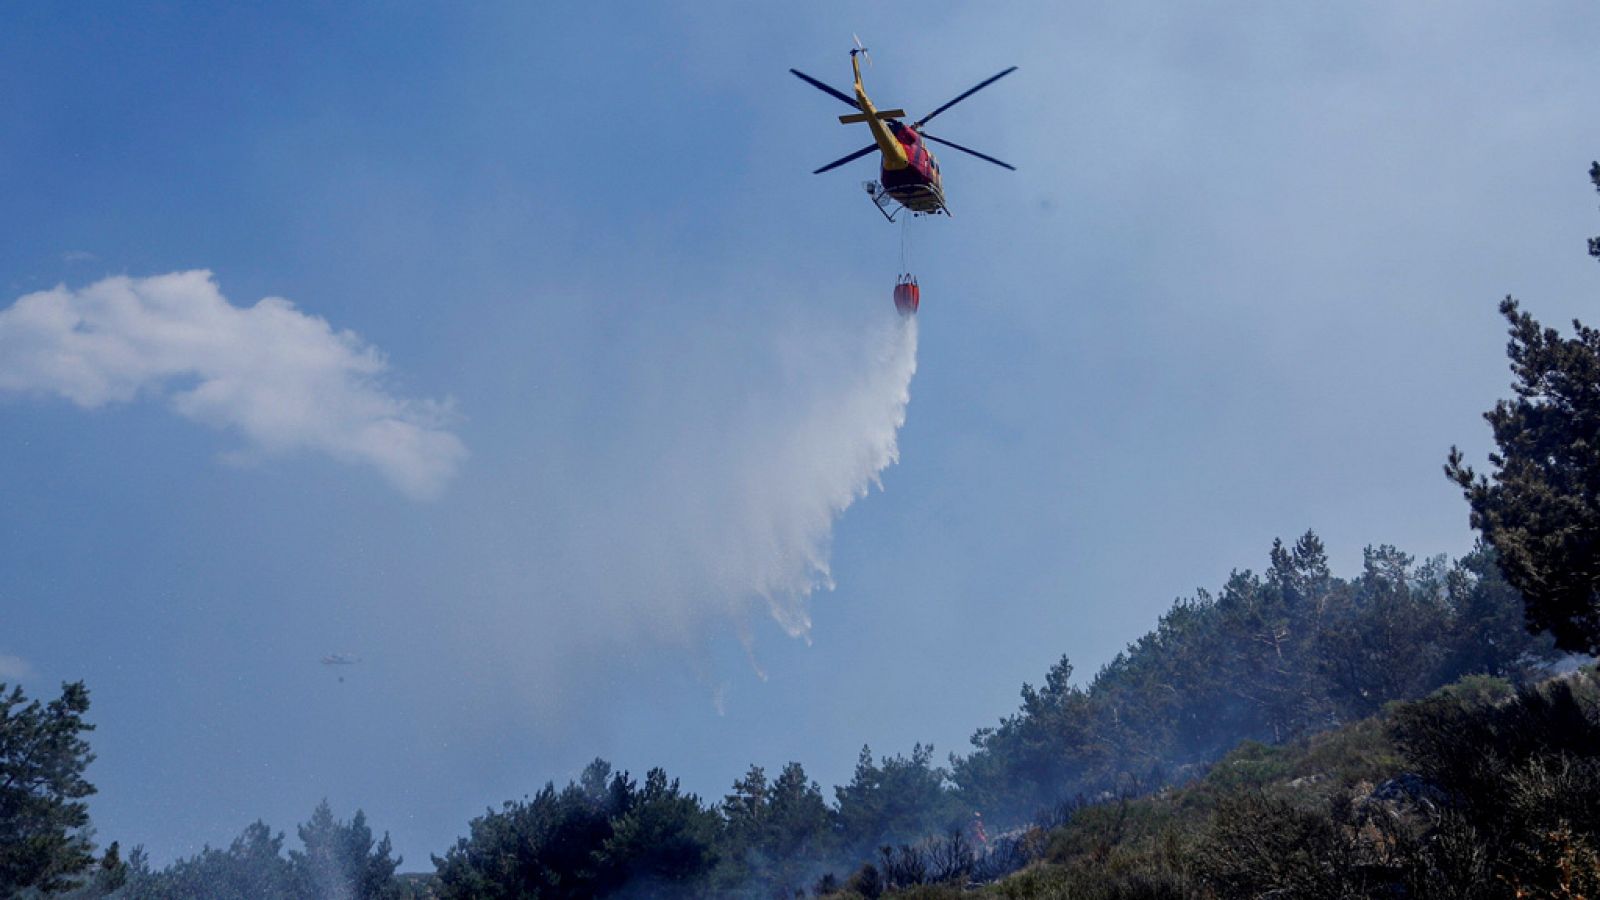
(14, 668)
(285, 380)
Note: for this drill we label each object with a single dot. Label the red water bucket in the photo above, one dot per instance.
(907, 295)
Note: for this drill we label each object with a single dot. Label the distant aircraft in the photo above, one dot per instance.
(340, 659)
(909, 175)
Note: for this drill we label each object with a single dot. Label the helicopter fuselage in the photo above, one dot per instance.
(909, 173)
(916, 185)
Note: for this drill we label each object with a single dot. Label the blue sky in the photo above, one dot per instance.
(576, 365)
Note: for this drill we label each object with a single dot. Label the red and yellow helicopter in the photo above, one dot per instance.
(909, 175)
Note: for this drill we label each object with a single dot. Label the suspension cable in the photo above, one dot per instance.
(905, 225)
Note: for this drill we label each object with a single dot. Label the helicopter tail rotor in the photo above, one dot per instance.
(860, 49)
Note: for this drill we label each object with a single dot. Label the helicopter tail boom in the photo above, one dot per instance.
(894, 155)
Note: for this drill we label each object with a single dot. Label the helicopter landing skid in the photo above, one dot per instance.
(886, 204)
(890, 207)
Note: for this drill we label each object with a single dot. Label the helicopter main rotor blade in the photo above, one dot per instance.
(980, 86)
(844, 159)
(826, 89)
(952, 144)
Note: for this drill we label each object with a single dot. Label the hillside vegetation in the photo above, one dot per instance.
(1095, 782)
(1478, 791)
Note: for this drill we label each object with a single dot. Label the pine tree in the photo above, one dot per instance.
(1594, 176)
(1541, 508)
(342, 861)
(44, 822)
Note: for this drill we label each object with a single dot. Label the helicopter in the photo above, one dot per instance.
(909, 174)
(340, 659)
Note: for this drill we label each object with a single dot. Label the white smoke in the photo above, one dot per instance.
(14, 668)
(283, 379)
